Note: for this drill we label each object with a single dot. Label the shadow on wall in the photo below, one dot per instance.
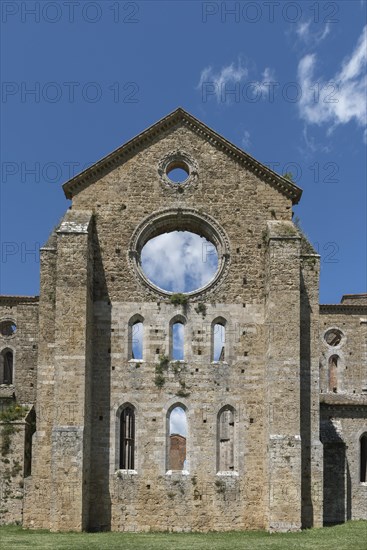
(337, 479)
(305, 403)
(99, 494)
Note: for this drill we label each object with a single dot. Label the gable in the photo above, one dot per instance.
(176, 119)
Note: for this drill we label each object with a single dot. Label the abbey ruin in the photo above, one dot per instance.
(276, 424)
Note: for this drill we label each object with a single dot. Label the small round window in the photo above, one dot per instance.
(178, 171)
(7, 328)
(333, 337)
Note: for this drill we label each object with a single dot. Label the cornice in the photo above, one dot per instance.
(14, 300)
(344, 308)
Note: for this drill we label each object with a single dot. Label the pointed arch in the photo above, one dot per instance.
(136, 337)
(7, 366)
(177, 338)
(226, 439)
(176, 430)
(127, 444)
(218, 339)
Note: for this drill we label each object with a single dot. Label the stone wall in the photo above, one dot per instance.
(344, 421)
(38, 487)
(202, 388)
(89, 370)
(266, 295)
(23, 311)
(15, 465)
(122, 199)
(344, 408)
(351, 352)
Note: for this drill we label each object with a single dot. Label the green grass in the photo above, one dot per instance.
(350, 536)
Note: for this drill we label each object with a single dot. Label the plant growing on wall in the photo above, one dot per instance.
(178, 299)
(220, 486)
(201, 309)
(182, 392)
(160, 368)
(7, 417)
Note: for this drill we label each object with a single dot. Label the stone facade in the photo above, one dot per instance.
(344, 406)
(260, 466)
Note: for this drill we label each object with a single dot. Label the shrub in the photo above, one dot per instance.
(178, 299)
(201, 308)
(7, 416)
(162, 366)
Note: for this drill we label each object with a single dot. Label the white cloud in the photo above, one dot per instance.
(303, 29)
(178, 422)
(310, 33)
(268, 75)
(246, 141)
(228, 85)
(339, 100)
(219, 81)
(179, 261)
(262, 86)
(312, 145)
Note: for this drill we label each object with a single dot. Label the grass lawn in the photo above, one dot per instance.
(350, 536)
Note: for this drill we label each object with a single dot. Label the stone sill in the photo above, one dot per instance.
(177, 472)
(229, 473)
(135, 361)
(121, 473)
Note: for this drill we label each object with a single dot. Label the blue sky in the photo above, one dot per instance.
(104, 71)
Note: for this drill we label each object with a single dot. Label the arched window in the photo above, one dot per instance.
(333, 373)
(225, 437)
(127, 438)
(219, 339)
(363, 454)
(177, 436)
(136, 337)
(6, 367)
(177, 330)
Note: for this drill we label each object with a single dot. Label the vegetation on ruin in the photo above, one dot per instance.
(344, 537)
(8, 416)
(13, 413)
(178, 299)
(201, 309)
(182, 392)
(289, 176)
(160, 369)
(176, 367)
